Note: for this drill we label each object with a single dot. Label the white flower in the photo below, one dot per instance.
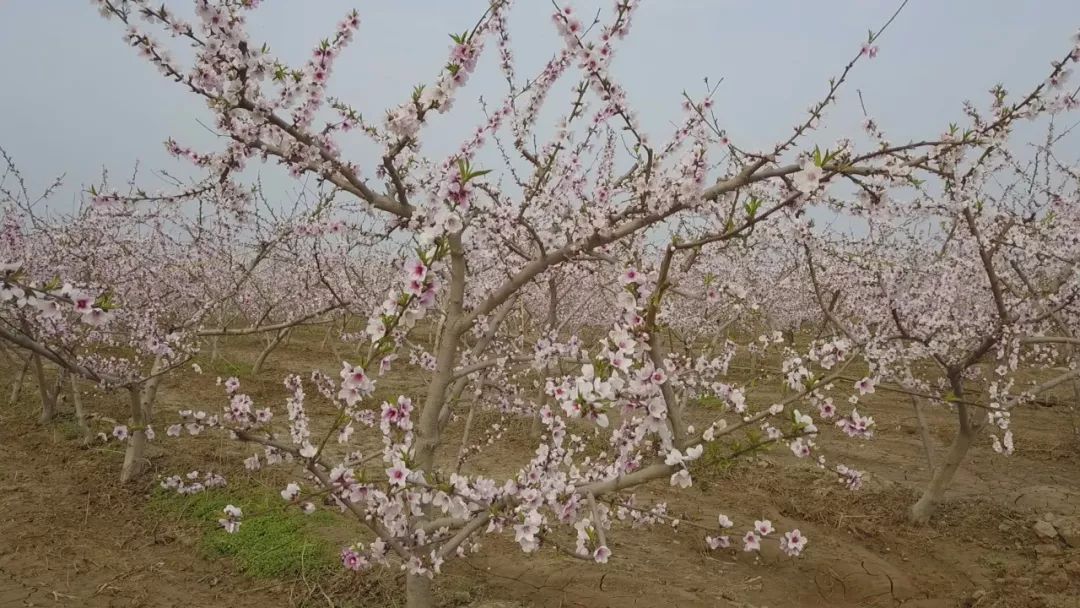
(682, 479)
(231, 521)
(291, 491)
(808, 179)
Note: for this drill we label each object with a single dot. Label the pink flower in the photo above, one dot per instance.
(718, 542)
(414, 287)
(232, 384)
(826, 409)
(82, 303)
(763, 527)
(751, 542)
(800, 448)
(352, 560)
(601, 554)
(865, 386)
(416, 270)
(96, 317)
(793, 542)
(397, 474)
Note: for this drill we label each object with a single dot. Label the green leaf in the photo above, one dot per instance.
(105, 302)
(751, 206)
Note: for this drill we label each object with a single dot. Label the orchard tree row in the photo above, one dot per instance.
(597, 281)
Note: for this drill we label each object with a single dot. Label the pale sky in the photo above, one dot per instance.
(75, 99)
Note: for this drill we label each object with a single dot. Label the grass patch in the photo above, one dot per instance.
(225, 368)
(68, 428)
(272, 542)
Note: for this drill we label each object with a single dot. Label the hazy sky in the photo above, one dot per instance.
(74, 98)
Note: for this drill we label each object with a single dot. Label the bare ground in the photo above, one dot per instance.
(70, 535)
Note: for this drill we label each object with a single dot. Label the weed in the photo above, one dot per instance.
(272, 542)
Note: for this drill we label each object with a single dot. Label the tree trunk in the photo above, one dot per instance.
(923, 510)
(537, 427)
(326, 336)
(80, 413)
(427, 430)
(465, 438)
(142, 398)
(17, 387)
(439, 330)
(924, 432)
(1073, 413)
(135, 455)
(418, 592)
(281, 335)
(48, 404)
(214, 348)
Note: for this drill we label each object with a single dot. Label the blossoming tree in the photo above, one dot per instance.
(975, 275)
(474, 240)
(118, 296)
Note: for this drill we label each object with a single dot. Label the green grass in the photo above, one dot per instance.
(225, 368)
(272, 542)
(68, 428)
